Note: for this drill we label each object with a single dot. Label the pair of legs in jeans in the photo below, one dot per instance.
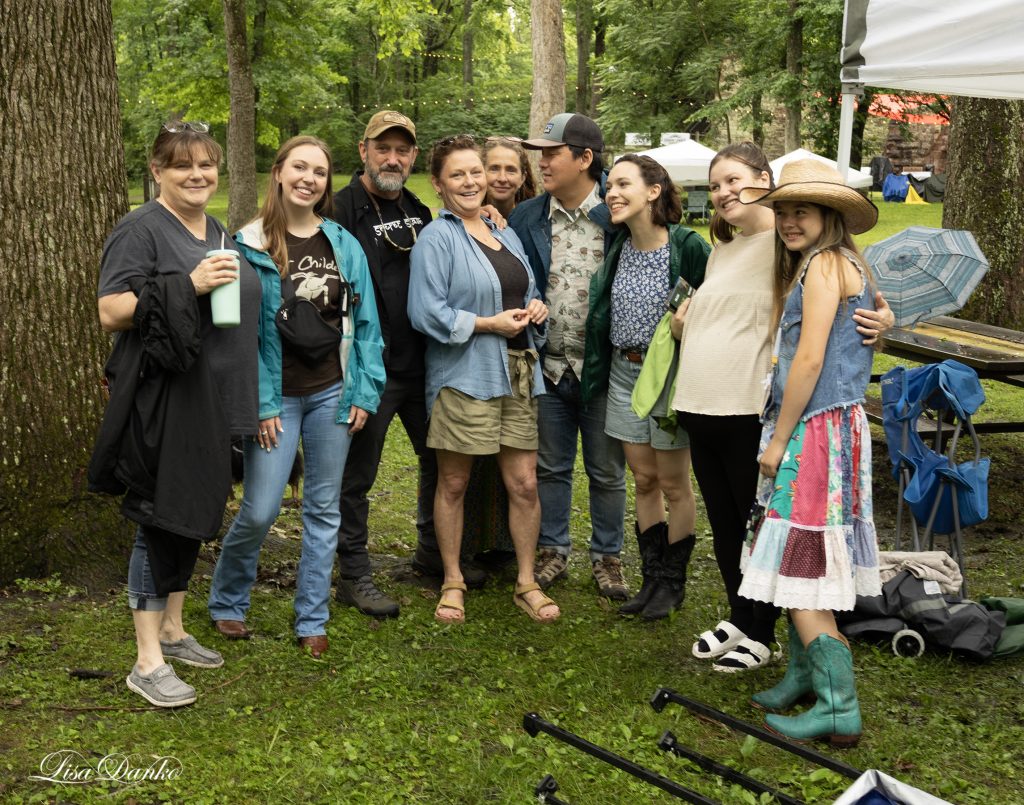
(325, 445)
(561, 416)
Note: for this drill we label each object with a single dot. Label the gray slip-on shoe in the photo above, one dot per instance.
(161, 687)
(188, 651)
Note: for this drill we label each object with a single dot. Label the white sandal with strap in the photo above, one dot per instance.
(715, 647)
(749, 655)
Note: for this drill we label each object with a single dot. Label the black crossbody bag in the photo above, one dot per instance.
(303, 329)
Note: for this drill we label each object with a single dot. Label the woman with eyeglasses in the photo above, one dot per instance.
(321, 395)
(181, 390)
(473, 295)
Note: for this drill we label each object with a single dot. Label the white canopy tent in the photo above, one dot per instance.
(934, 46)
(854, 177)
(687, 162)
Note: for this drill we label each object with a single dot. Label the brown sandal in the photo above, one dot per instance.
(533, 611)
(448, 604)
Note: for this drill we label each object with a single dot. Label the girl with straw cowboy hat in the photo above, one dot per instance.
(814, 550)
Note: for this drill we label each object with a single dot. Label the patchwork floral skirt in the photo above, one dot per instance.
(815, 547)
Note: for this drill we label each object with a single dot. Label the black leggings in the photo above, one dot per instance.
(723, 450)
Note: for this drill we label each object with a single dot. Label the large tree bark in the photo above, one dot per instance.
(985, 194)
(584, 34)
(62, 189)
(548, 98)
(467, 54)
(242, 119)
(794, 66)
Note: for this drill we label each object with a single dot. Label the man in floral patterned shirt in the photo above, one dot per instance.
(566, 232)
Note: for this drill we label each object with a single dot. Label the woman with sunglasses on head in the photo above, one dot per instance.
(322, 395)
(628, 300)
(725, 359)
(472, 293)
(509, 181)
(181, 390)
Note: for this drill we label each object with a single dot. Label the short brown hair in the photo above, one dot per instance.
(179, 146)
(443, 148)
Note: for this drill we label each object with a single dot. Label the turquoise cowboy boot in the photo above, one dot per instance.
(795, 685)
(836, 714)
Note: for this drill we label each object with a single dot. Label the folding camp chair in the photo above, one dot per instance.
(696, 205)
(940, 495)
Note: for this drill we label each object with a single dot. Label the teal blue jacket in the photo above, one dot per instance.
(362, 363)
(687, 257)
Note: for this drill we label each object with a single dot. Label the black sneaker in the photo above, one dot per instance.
(364, 595)
(426, 562)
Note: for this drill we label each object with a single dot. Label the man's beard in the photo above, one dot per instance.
(385, 181)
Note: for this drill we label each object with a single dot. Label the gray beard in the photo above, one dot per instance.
(385, 181)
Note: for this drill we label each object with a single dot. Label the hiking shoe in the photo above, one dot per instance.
(549, 567)
(427, 562)
(188, 651)
(608, 574)
(162, 687)
(364, 595)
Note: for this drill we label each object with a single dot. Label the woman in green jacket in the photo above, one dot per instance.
(628, 299)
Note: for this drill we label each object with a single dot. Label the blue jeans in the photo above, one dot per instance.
(324, 449)
(560, 416)
(142, 594)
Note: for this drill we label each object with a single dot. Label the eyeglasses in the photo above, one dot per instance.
(384, 227)
(178, 126)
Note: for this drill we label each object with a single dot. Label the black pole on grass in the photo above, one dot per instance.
(663, 696)
(668, 743)
(545, 790)
(533, 724)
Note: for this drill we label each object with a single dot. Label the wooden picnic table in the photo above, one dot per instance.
(995, 353)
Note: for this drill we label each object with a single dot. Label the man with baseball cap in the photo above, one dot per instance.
(385, 218)
(566, 232)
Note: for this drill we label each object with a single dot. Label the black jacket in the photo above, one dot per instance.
(353, 210)
(164, 442)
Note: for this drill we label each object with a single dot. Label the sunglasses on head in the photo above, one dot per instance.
(178, 126)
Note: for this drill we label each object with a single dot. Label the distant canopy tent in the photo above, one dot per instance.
(854, 177)
(932, 47)
(687, 162)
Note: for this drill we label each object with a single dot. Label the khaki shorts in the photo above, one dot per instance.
(463, 424)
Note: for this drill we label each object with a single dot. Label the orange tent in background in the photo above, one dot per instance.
(906, 109)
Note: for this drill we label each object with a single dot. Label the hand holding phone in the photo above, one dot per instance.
(682, 290)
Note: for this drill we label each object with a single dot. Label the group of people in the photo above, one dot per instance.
(518, 342)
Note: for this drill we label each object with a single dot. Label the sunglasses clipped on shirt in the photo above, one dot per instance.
(384, 228)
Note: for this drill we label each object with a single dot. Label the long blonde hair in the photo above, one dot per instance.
(275, 221)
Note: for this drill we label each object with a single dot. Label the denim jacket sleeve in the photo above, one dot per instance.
(430, 280)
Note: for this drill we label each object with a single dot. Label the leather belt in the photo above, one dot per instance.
(632, 355)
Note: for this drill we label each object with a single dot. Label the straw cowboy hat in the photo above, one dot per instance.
(814, 181)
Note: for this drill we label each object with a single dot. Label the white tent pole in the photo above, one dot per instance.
(850, 92)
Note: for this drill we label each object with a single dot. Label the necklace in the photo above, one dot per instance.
(384, 227)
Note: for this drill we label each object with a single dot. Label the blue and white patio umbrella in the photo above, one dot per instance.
(925, 272)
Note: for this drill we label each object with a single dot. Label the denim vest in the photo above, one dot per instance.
(846, 367)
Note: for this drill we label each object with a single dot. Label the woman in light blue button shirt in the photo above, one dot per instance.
(472, 293)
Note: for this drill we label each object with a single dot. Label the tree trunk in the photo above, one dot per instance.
(757, 121)
(63, 189)
(595, 86)
(548, 97)
(860, 120)
(794, 66)
(242, 119)
(584, 32)
(985, 194)
(467, 54)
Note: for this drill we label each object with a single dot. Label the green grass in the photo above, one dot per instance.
(410, 711)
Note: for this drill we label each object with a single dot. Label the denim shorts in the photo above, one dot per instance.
(620, 421)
